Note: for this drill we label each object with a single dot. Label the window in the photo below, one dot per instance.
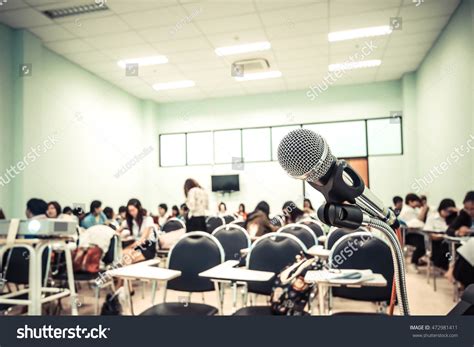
(278, 133)
(173, 150)
(199, 148)
(227, 145)
(385, 136)
(256, 144)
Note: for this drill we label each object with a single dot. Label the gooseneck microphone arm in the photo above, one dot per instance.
(352, 217)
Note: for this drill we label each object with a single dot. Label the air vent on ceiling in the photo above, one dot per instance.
(253, 65)
(76, 10)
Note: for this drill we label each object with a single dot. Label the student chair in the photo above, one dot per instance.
(314, 226)
(362, 250)
(465, 307)
(233, 238)
(194, 253)
(229, 219)
(213, 222)
(302, 232)
(240, 223)
(271, 252)
(14, 269)
(278, 221)
(335, 235)
(173, 224)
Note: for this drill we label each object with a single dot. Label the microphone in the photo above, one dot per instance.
(305, 155)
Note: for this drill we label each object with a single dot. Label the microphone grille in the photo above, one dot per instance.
(300, 153)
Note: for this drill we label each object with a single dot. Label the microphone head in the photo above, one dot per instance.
(305, 155)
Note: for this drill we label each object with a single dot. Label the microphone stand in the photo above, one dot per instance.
(351, 216)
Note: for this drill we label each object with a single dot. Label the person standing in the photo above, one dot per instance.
(197, 202)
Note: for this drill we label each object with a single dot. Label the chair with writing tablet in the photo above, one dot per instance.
(173, 224)
(302, 232)
(213, 222)
(233, 238)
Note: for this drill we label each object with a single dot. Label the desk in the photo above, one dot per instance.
(314, 277)
(227, 273)
(35, 248)
(319, 251)
(144, 270)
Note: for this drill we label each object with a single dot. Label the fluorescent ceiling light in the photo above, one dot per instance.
(174, 85)
(354, 65)
(258, 76)
(144, 61)
(246, 48)
(358, 33)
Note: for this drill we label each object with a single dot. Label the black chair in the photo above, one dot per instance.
(335, 235)
(314, 226)
(278, 221)
(212, 223)
(233, 238)
(194, 253)
(302, 232)
(271, 252)
(361, 250)
(229, 219)
(465, 307)
(240, 223)
(15, 268)
(173, 224)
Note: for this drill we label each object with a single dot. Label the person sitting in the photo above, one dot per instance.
(36, 209)
(183, 212)
(110, 215)
(162, 214)
(397, 205)
(222, 210)
(241, 214)
(412, 216)
(463, 225)
(54, 210)
(258, 222)
(141, 228)
(292, 213)
(95, 216)
(308, 208)
(68, 211)
(439, 221)
(174, 212)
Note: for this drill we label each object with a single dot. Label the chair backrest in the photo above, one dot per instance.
(278, 221)
(272, 252)
(335, 235)
(240, 223)
(314, 226)
(362, 250)
(17, 262)
(112, 253)
(213, 222)
(173, 224)
(194, 253)
(233, 238)
(302, 232)
(229, 219)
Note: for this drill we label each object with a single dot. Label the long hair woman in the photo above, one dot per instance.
(141, 228)
(197, 202)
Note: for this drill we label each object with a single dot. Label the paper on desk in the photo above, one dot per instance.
(326, 276)
(467, 251)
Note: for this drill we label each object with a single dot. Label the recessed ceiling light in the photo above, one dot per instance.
(358, 33)
(355, 65)
(144, 61)
(245, 48)
(259, 76)
(75, 10)
(174, 85)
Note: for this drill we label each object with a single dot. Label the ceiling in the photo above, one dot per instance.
(187, 32)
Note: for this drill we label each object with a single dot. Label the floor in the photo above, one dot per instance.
(423, 299)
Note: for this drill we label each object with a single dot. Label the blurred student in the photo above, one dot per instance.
(68, 211)
(439, 221)
(110, 215)
(222, 209)
(95, 216)
(241, 212)
(174, 212)
(36, 209)
(425, 208)
(183, 212)
(54, 210)
(292, 213)
(308, 208)
(463, 225)
(122, 214)
(2, 215)
(397, 205)
(258, 221)
(197, 202)
(162, 214)
(412, 216)
(141, 228)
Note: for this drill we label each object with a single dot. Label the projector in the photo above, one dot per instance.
(41, 228)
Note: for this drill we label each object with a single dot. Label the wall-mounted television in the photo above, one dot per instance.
(225, 183)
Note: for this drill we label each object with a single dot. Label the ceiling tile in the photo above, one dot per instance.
(24, 18)
(163, 16)
(48, 33)
(183, 45)
(167, 33)
(214, 9)
(125, 39)
(69, 46)
(297, 29)
(216, 26)
(121, 6)
(96, 27)
(295, 14)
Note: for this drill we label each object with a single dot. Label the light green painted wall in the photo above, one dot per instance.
(445, 112)
(6, 113)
